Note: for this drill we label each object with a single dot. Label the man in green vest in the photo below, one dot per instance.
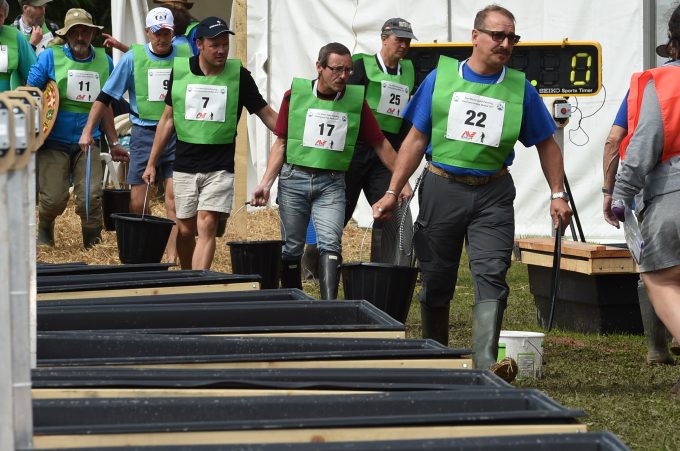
(143, 72)
(16, 54)
(389, 81)
(319, 124)
(206, 94)
(79, 70)
(467, 116)
(32, 23)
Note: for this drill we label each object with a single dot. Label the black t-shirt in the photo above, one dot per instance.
(359, 77)
(195, 158)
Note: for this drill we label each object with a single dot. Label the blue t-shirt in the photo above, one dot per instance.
(621, 118)
(68, 126)
(122, 80)
(537, 123)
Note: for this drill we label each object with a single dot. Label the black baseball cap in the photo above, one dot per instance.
(399, 27)
(211, 27)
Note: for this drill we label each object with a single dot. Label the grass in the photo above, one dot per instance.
(604, 375)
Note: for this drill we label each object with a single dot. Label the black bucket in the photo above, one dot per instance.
(257, 257)
(114, 201)
(141, 239)
(388, 287)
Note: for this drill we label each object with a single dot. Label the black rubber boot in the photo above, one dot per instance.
(329, 275)
(310, 262)
(655, 331)
(291, 276)
(487, 316)
(92, 236)
(435, 323)
(46, 233)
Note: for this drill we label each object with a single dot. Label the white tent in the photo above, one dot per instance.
(284, 37)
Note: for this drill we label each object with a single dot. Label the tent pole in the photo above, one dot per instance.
(239, 222)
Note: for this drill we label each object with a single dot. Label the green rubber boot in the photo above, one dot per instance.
(487, 316)
(435, 322)
(91, 236)
(655, 331)
(46, 233)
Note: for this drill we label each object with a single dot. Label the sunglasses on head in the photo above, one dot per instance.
(499, 36)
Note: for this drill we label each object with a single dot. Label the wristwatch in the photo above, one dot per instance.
(560, 195)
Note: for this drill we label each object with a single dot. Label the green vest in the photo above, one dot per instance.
(322, 155)
(196, 129)
(8, 37)
(474, 155)
(150, 110)
(376, 77)
(63, 64)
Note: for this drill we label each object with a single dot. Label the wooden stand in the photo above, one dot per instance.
(598, 286)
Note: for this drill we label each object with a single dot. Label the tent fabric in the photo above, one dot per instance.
(284, 37)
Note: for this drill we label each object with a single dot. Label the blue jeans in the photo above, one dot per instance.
(319, 193)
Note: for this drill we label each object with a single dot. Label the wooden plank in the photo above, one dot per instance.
(151, 291)
(375, 363)
(582, 265)
(239, 222)
(300, 435)
(574, 248)
(81, 393)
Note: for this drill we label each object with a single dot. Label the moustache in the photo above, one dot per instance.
(501, 51)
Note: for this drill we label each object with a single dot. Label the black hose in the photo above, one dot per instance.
(557, 256)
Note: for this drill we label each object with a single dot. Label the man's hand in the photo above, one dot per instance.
(111, 42)
(260, 196)
(118, 153)
(85, 140)
(559, 208)
(36, 36)
(609, 215)
(406, 194)
(149, 176)
(382, 210)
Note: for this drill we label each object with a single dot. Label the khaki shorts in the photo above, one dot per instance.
(205, 191)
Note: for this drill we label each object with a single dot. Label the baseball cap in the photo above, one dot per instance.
(211, 27)
(399, 27)
(159, 18)
(76, 16)
(34, 2)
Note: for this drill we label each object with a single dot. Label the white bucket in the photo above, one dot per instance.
(527, 350)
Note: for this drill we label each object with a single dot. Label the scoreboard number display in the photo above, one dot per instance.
(555, 69)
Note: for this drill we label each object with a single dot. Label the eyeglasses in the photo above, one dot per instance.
(339, 70)
(499, 36)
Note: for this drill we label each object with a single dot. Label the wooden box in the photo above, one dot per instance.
(598, 286)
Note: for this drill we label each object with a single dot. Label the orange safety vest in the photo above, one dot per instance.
(667, 84)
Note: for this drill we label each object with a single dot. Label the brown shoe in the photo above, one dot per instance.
(675, 346)
(506, 369)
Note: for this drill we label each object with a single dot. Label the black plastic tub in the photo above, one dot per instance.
(125, 415)
(360, 379)
(282, 294)
(141, 279)
(77, 270)
(253, 317)
(585, 441)
(93, 349)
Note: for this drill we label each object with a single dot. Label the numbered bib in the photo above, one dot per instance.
(205, 103)
(393, 98)
(325, 129)
(4, 59)
(475, 118)
(157, 82)
(82, 86)
(42, 45)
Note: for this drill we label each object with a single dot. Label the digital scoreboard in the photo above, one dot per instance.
(555, 69)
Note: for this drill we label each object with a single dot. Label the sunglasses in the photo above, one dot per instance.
(499, 36)
(338, 70)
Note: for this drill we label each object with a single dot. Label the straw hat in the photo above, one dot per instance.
(76, 16)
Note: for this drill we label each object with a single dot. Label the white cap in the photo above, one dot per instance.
(160, 18)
